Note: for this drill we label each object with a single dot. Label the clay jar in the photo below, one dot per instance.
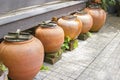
(71, 26)
(86, 20)
(98, 15)
(51, 35)
(98, 1)
(22, 56)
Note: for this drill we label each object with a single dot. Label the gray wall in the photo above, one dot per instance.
(8, 5)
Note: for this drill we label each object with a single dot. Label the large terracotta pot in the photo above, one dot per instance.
(22, 56)
(86, 20)
(71, 26)
(98, 15)
(51, 35)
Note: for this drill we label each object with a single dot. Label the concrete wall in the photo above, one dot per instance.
(9, 5)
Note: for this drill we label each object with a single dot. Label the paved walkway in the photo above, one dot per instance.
(97, 58)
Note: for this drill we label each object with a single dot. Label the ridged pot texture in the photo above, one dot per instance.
(23, 59)
(71, 26)
(86, 20)
(99, 18)
(51, 37)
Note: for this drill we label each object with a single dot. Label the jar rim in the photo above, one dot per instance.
(47, 25)
(94, 6)
(21, 42)
(81, 13)
(17, 36)
(69, 17)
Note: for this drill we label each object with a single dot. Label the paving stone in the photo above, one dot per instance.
(70, 79)
(77, 72)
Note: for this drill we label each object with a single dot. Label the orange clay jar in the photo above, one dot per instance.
(98, 15)
(51, 35)
(71, 26)
(22, 56)
(86, 20)
(98, 1)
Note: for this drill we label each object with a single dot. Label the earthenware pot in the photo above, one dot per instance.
(71, 26)
(22, 54)
(98, 15)
(86, 20)
(51, 35)
(98, 1)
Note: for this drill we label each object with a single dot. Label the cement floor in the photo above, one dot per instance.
(97, 58)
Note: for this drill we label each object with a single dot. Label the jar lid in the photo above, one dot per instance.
(69, 17)
(17, 36)
(94, 6)
(81, 12)
(47, 25)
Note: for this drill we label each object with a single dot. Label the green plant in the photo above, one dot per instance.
(89, 34)
(44, 68)
(106, 3)
(2, 67)
(65, 45)
(75, 45)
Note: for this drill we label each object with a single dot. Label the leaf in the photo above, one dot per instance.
(67, 39)
(2, 67)
(106, 3)
(65, 45)
(75, 45)
(89, 34)
(44, 68)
